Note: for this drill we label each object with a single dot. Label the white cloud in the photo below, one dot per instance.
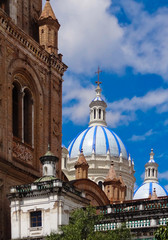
(91, 36)
(163, 175)
(76, 100)
(135, 186)
(142, 137)
(143, 176)
(124, 111)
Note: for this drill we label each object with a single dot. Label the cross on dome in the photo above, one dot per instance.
(98, 73)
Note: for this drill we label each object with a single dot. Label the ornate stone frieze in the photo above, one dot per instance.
(22, 152)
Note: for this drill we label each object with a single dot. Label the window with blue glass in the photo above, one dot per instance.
(35, 219)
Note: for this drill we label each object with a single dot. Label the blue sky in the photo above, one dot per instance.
(128, 39)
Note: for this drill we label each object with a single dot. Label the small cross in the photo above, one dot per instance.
(98, 72)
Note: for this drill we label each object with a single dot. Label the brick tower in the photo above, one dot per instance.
(114, 187)
(81, 167)
(30, 96)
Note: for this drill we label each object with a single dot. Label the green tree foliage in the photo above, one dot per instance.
(162, 233)
(81, 227)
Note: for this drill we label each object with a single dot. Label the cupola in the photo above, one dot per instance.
(151, 169)
(49, 164)
(98, 107)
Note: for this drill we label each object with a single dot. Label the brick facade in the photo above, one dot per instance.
(24, 61)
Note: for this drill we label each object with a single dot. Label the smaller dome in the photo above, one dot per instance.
(147, 188)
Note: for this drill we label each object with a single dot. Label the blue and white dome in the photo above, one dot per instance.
(147, 189)
(100, 146)
(99, 140)
(151, 181)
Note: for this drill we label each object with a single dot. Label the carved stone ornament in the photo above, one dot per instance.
(23, 153)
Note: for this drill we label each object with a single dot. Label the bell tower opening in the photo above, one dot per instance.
(17, 121)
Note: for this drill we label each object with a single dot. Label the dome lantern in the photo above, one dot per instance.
(151, 169)
(98, 107)
(48, 162)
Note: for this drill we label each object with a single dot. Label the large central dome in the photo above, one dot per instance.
(100, 146)
(99, 140)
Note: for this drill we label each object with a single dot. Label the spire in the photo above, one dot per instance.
(47, 11)
(151, 169)
(98, 106)
(114, 187)
(48, 29)
(81, 167)
(151, 156)
(154, 195)
(111, 174)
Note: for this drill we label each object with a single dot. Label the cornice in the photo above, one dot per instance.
(30, 44)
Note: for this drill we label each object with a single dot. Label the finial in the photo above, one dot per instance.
(49, 153)
(49, 147)
(81, 150)
(151, 154)
(132, 161)
(98, 73)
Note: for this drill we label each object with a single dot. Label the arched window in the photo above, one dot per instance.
(28, 110)
(22, 112)
(99, 113)
(100, 184)
(148, 172)
(45, 171)
(17, 110)
(94, 113)
(153, 170)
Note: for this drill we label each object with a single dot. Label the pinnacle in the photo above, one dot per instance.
(47, 11)
(111, 174)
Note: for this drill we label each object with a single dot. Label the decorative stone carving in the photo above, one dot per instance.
(56, 128)
(22, 152)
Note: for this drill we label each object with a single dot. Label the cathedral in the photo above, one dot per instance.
(39, 187)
